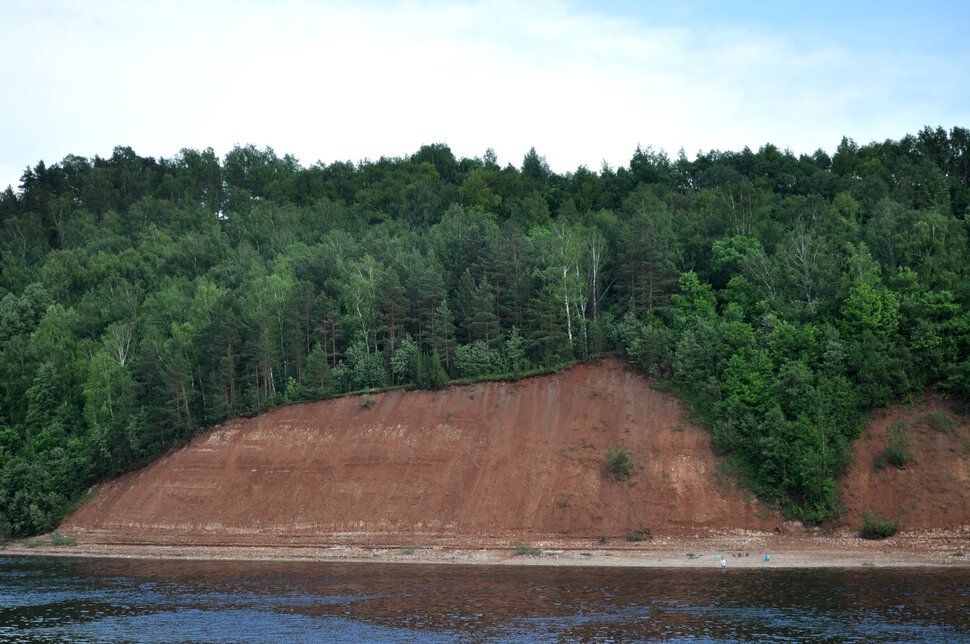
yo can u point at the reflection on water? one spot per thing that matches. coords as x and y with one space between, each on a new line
98 600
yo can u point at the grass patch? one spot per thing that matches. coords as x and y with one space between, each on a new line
897 451
692 555
367 401
526 550
636 536
958 553
58 539
618 463
875 527
937 420
564 500
898 456
408 550
53 539
586 554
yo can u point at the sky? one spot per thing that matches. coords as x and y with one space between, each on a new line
584 83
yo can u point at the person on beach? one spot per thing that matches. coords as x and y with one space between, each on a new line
723 561
767 558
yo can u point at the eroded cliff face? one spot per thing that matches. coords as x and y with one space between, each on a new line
932 488
485 462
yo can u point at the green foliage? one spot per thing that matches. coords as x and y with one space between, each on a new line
875 527
430 373
316 378
515 354
636 536
897 452
54 539
476 359
649 345
897 455
143 299
360 369
938 420
59 539
618 462
404 361
527 550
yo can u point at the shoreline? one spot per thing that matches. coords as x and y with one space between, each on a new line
936 549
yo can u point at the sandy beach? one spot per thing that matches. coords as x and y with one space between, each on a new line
738 549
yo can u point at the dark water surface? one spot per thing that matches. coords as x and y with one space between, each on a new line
116 600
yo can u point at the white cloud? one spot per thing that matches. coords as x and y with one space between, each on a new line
328 81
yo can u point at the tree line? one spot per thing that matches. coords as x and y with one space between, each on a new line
783 296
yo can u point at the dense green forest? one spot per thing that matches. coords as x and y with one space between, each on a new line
784 296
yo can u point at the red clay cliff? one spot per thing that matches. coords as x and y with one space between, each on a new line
488 463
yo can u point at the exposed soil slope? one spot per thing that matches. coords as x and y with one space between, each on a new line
483 464
490 460
931 491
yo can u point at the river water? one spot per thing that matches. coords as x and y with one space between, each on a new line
122 600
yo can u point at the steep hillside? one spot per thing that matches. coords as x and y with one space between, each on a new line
487 463
930 487
492 460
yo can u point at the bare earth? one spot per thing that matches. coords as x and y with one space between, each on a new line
465 474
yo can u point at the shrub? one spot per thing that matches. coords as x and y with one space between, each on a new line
476 359
618 463
527 550
360 369
897 445
367 401
636 536
875 527
897 455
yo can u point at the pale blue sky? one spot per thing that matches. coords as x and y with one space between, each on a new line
582 82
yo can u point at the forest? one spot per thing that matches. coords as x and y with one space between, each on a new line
784 297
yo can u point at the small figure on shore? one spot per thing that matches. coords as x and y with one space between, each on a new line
723 561
767 558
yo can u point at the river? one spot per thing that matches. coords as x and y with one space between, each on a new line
124 600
